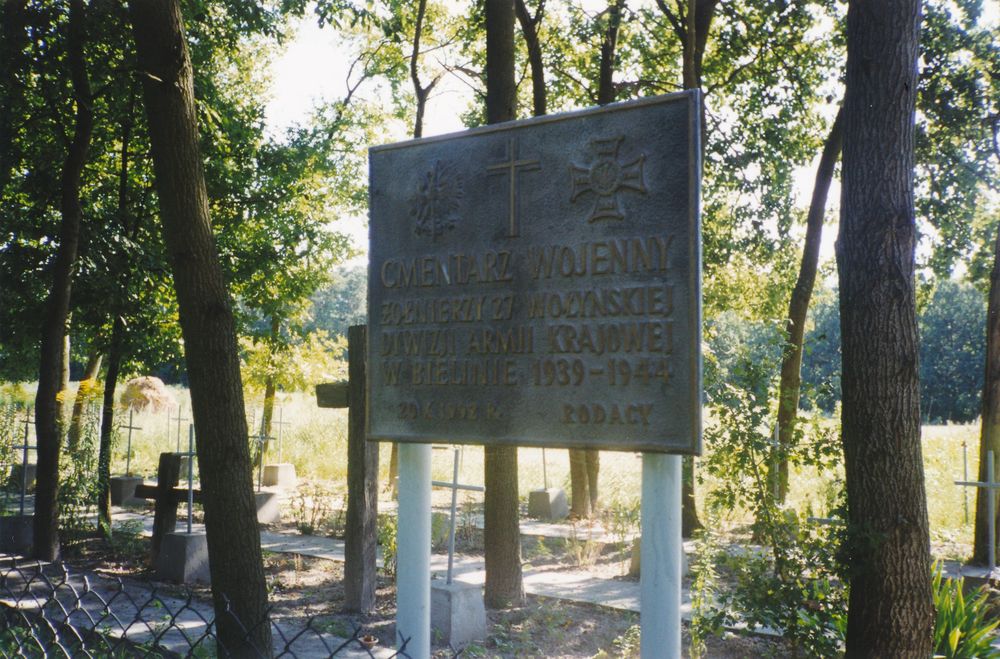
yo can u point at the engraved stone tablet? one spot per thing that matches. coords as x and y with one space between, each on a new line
538 282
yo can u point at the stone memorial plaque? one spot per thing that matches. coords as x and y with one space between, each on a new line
538 282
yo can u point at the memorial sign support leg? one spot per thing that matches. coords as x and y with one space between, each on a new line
413 555
660 582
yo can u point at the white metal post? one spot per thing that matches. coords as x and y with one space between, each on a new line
660 578
413 550
991 510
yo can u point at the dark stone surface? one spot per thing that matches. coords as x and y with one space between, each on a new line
538 282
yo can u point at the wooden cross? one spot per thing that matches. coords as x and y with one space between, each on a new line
510 167
128 453
167 495
991 486
361 535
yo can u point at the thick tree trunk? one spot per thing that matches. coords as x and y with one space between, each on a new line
798 307
529 28
989 437
90 373
890 610
107 426
208 328
692 28
13 41
502 535
47 407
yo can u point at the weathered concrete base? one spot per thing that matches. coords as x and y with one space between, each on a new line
548 504
268 509
280 475
16 534
14 482
183 558
458 615
635 565
123 490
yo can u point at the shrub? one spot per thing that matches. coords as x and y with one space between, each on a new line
961 630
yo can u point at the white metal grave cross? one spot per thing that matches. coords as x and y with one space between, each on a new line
991 486
128 452
281 423
455 486
179 419
25 447
190 457
261 439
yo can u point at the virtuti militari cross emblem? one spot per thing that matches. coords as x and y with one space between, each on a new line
606 177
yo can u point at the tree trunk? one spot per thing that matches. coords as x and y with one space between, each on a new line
529 28
585 464
118 331
208 329
80 400
579 483
890 610
795 326
270 389
107 425
692 30
989 437
502 535
13 41
47 407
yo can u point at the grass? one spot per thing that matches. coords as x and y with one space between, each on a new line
315 441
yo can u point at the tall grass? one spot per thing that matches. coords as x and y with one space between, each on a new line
315 441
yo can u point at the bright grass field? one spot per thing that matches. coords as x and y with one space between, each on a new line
315 441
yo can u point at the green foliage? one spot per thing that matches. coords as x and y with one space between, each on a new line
795 583
796 588
952 353
704 583
963 628
342 302
298 366
77 500
958 102
312 507
387 541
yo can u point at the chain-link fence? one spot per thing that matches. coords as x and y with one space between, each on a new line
48 611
